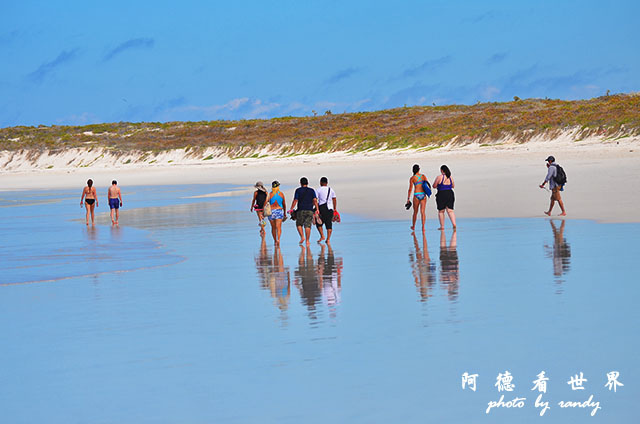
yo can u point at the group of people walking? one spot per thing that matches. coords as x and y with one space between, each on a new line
310 207
90 200
419 185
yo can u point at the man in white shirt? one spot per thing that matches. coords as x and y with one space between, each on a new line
327 205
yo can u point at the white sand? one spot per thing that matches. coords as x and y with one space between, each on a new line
499 181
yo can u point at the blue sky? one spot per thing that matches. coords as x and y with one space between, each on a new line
80 62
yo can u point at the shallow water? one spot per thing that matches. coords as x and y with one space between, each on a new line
182 314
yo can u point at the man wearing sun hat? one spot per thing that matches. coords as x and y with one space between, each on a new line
552 171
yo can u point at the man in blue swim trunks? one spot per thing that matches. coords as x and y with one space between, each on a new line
115 201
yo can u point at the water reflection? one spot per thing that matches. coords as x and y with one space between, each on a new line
92 233
306 279
560 252
274 276
330 273
422 268
319 282
449 264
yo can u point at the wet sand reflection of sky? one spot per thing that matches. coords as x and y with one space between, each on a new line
378 308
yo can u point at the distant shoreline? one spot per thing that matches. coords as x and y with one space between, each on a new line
491 181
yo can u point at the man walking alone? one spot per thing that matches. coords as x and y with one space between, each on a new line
552 172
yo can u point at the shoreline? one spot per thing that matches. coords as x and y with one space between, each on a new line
496 181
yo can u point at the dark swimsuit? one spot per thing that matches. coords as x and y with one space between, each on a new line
445 197
90 201
261 197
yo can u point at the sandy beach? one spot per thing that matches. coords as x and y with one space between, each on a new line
491 181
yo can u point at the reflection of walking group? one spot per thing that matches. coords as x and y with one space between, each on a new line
315 280
309 207
423 269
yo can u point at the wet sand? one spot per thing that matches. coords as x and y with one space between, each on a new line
500 181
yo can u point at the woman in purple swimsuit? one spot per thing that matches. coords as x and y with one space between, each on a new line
90 200
419 196
445 197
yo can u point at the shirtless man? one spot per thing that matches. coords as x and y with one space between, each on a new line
115 201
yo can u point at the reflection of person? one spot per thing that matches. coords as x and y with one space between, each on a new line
553 186
449 264
561 253
422 268
257 204
115 201
419 196
278 206
306 200
306 279
330 275
274 275
445 197
90 200
327 203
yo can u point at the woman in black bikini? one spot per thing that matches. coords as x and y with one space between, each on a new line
90 200
257 204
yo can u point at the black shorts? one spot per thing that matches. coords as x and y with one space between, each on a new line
445 199
327 216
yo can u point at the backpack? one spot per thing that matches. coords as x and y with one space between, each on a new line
561 176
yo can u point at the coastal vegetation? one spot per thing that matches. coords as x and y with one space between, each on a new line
422 127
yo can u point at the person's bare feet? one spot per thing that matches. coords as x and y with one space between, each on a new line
307 243
301 241
563 214
547 213
442 228
320 239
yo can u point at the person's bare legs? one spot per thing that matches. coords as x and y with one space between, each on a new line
261 223
441 219
423 212
416 206
329 234
322 233
113 221
307 232
452 217
561 204
278 230
274 230
92 208
299 228
117 216
87 207
555 196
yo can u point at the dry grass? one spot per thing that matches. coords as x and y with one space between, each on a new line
486 123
